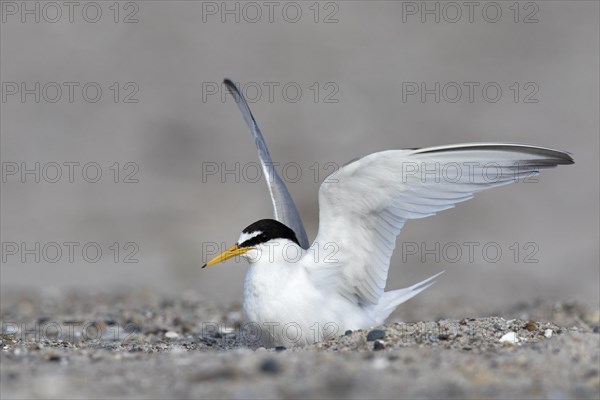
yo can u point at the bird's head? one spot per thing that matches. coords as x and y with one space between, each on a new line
266 240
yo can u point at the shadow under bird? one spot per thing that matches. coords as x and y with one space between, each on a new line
299 293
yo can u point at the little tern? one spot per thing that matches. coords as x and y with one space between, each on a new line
298 293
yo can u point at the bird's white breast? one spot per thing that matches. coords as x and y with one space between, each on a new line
282 302
278 299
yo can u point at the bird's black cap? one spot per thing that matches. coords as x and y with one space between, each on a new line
270 229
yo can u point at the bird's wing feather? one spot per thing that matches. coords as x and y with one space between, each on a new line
364 205
284 208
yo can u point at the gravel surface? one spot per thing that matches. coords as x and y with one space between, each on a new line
143 345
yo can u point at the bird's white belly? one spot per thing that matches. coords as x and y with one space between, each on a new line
282 307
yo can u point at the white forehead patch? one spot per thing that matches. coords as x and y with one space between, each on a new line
247 236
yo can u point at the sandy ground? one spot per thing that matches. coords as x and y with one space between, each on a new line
142 345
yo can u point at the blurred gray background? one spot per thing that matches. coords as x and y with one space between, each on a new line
349 60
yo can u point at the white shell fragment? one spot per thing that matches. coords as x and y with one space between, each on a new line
548 333
171 335
510 337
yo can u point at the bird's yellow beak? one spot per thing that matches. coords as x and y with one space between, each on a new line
227 254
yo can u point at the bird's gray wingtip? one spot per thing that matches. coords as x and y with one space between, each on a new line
552 157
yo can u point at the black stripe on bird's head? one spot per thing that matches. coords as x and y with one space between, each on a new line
264 230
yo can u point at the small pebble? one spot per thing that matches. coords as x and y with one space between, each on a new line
548 333
270 366
171 335
378 345
380 364
531 326
521 360
348 332
375 334
280 348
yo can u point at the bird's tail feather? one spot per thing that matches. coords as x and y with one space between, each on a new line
392 299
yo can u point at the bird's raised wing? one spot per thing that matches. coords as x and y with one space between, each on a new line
364 205
284 208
